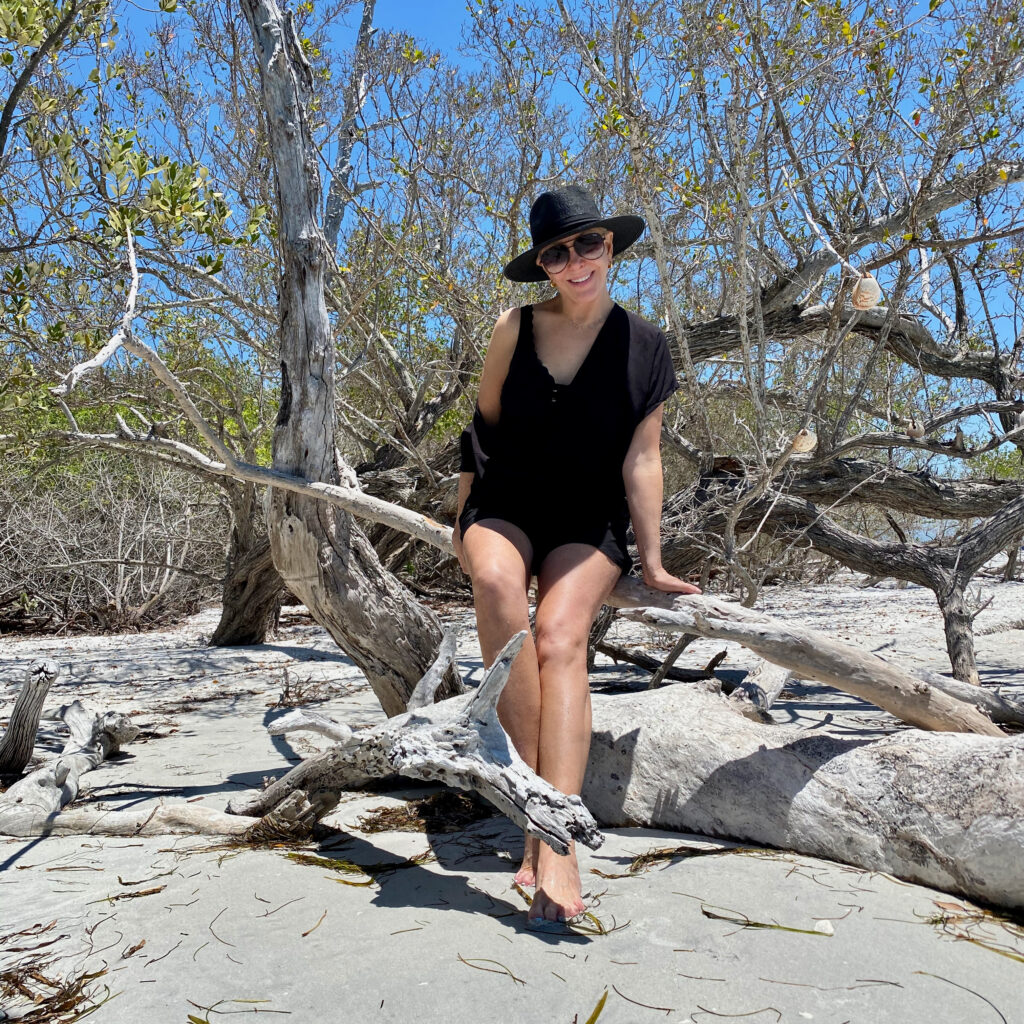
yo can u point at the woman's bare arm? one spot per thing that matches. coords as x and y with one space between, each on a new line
496 364
641 473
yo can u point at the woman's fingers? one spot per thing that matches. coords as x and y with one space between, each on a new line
662 580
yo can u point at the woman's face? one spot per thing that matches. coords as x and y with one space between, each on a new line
585 273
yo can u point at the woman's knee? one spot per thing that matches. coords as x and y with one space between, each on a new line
561 643
499 582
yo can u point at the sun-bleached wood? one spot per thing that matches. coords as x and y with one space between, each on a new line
20 736
755 694
458 742
940 809
31 801
808 653
33 806
322 555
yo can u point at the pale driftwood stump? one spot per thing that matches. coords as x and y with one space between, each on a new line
20 736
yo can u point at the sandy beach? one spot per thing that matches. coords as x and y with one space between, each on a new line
382 923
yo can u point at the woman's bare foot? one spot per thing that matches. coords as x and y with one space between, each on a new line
559 890
527 873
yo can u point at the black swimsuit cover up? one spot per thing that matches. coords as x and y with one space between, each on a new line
552 465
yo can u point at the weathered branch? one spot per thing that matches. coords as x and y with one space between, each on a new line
29 804
355 95
908 339
459 742
809 654
917 211
920 493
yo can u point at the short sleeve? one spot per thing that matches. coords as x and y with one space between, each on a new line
662 379
466 464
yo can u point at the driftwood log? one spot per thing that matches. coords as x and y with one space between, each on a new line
945 810
809 654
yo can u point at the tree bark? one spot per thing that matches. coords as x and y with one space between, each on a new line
944 810
322 556
957 624
20 736
252 587
1012 554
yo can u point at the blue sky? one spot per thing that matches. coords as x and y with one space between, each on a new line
437 22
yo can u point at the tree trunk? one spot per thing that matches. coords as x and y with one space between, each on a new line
252 587
958 625
940 809
252 596
1012 555
323 557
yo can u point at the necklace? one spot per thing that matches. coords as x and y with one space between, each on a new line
586 326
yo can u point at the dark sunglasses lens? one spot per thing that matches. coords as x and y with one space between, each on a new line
555 258
590 245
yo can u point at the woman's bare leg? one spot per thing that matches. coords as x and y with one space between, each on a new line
573 583
499 556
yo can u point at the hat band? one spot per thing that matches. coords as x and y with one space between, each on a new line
567 227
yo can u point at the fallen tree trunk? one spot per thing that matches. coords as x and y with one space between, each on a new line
941 810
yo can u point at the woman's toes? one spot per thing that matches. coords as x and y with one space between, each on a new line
526 876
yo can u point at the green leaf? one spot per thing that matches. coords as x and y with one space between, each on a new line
597 1009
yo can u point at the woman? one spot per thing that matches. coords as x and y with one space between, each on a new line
563 449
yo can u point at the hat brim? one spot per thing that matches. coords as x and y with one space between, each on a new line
625 231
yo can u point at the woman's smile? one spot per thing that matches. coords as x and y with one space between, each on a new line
581 280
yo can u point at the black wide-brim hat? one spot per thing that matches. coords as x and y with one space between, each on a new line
564 212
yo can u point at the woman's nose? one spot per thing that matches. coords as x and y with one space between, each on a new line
575 259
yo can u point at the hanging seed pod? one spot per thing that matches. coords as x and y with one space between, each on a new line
805 441
866 293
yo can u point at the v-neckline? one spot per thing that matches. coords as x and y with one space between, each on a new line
586 358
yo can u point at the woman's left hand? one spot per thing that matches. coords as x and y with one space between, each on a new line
661 579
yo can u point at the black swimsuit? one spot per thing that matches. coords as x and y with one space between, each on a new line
553 463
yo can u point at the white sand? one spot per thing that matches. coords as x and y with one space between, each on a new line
229 926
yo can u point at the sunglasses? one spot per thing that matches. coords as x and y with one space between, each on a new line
588 246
